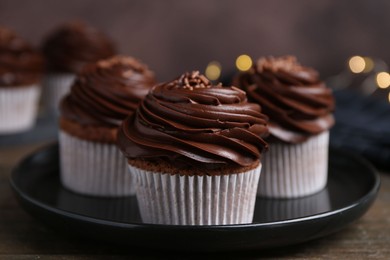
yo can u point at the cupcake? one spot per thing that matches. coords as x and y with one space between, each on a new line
195 150
103 94
21 69
67 49
299 107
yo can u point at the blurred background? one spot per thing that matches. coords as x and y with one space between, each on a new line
346 41
173 36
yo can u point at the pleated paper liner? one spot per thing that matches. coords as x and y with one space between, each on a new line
93 168
55 87
18 108
295 170
196 200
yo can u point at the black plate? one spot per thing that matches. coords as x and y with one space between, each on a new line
352 187
45 128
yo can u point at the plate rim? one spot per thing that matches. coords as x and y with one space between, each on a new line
371 194
340 218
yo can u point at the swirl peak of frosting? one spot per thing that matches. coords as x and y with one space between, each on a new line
287 65
75 44
297 102
191 122
20 64
105 92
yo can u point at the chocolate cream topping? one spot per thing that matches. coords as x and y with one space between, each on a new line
74 44
107 91
298 103
20 64
191 122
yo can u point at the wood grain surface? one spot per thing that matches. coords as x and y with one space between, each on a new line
23 237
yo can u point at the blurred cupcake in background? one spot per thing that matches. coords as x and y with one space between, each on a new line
67 49
21 70
299 107
102 95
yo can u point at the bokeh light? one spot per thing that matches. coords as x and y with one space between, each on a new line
357 64
213 70
383 79
369 66
243 62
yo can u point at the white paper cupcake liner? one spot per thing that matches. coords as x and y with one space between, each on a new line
93 168
295 170
196 200
55 87
18 108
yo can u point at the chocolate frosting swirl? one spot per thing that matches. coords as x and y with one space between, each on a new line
191 122
297 102
74 44
107 91
20 64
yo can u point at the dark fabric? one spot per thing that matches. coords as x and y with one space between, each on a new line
363 126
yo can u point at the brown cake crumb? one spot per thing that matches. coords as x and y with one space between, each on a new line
90 133
169 168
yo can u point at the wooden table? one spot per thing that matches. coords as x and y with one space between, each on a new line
23 237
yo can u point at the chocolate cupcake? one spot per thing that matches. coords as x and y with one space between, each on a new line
103 94
195 149
67 49
21 69
299 106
